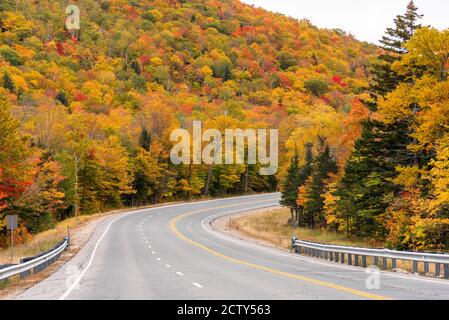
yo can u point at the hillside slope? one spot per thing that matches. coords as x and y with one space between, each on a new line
98 105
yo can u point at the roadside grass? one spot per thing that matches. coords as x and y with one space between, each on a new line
48 239
273 226
45 240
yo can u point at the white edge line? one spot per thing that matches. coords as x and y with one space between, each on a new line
78 279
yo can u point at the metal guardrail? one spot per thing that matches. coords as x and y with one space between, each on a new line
36 264
358 256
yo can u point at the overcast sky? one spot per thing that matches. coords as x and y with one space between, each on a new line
365 19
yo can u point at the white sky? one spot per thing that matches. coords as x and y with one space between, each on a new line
365 19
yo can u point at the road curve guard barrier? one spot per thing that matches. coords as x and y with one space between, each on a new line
420 261
35 264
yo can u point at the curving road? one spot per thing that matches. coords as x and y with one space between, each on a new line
171 253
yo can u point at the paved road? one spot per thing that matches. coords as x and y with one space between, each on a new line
171 253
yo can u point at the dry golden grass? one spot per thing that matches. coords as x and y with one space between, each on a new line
44 241
272 226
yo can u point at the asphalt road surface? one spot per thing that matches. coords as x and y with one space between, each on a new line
172 253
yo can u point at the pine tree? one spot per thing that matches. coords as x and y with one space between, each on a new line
385 79
291 186
324 165
136 67
145 139
8 83
61 96
366 183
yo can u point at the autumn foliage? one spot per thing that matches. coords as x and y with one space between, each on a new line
87 116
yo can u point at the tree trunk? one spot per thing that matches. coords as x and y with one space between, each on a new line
209 177
246 178
300 217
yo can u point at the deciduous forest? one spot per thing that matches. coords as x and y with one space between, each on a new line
86 115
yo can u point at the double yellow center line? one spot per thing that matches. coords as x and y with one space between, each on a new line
337 287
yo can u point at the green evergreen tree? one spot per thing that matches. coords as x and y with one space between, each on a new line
8 83
366 184
291 186
145 139
136 66
61 96
385 79
323 166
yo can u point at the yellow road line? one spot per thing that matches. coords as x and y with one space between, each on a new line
263 268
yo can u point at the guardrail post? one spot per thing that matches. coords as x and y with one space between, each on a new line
426 267
384 264
415 266
338 254
437 269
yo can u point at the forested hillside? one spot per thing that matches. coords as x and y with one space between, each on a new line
85 116
394 186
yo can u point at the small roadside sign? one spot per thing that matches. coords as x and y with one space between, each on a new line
11 222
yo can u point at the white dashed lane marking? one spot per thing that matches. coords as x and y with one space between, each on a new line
159 259
197 285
